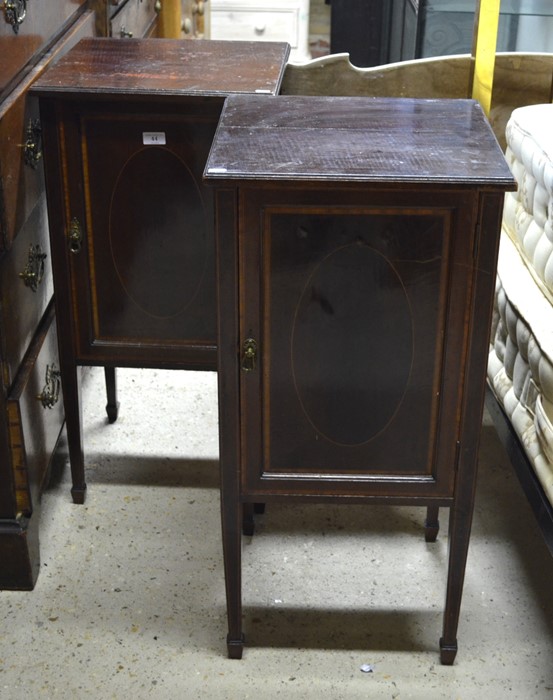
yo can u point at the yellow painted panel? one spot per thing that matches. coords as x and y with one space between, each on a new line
484 48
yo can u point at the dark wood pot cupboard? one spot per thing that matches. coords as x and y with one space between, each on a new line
356 252
131 223
33 37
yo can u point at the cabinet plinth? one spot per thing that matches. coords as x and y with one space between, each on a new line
127 127
356 247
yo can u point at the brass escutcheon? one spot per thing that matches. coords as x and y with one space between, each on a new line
249 356
75 236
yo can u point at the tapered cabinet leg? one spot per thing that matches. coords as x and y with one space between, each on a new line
112 405
70 377
460 520
232 554
228 378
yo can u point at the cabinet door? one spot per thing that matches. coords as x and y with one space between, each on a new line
144 274
356 312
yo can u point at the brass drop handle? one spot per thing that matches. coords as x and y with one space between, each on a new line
75 236
31 148
51 393
249 355
34 269
124 34
198 8
15 12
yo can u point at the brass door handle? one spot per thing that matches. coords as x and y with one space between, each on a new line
249 355
34 269
15 12
51 393
124 34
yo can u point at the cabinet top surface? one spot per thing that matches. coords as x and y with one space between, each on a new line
357 139
154 67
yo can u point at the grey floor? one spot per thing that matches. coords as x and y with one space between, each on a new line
130 599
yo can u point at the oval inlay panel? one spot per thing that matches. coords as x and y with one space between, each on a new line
157 232
352 345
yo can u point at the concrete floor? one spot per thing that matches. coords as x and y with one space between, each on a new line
130 599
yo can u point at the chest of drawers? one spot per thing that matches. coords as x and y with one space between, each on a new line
263 20
27 29
34 36
357 242
31 406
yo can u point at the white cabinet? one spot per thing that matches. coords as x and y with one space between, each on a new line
263 20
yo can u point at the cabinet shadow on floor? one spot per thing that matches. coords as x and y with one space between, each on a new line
351 629
139 470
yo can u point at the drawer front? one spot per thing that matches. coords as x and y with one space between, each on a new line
41 21
35 415
26 287
255 25
135 19
21 171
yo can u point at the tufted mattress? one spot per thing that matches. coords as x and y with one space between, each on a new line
520 364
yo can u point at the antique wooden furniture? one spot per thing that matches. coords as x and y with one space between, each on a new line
356 251
520 80
32 37
127 127
263 20
126 18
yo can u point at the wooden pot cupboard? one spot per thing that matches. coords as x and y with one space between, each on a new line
356 250
33 37
127 127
